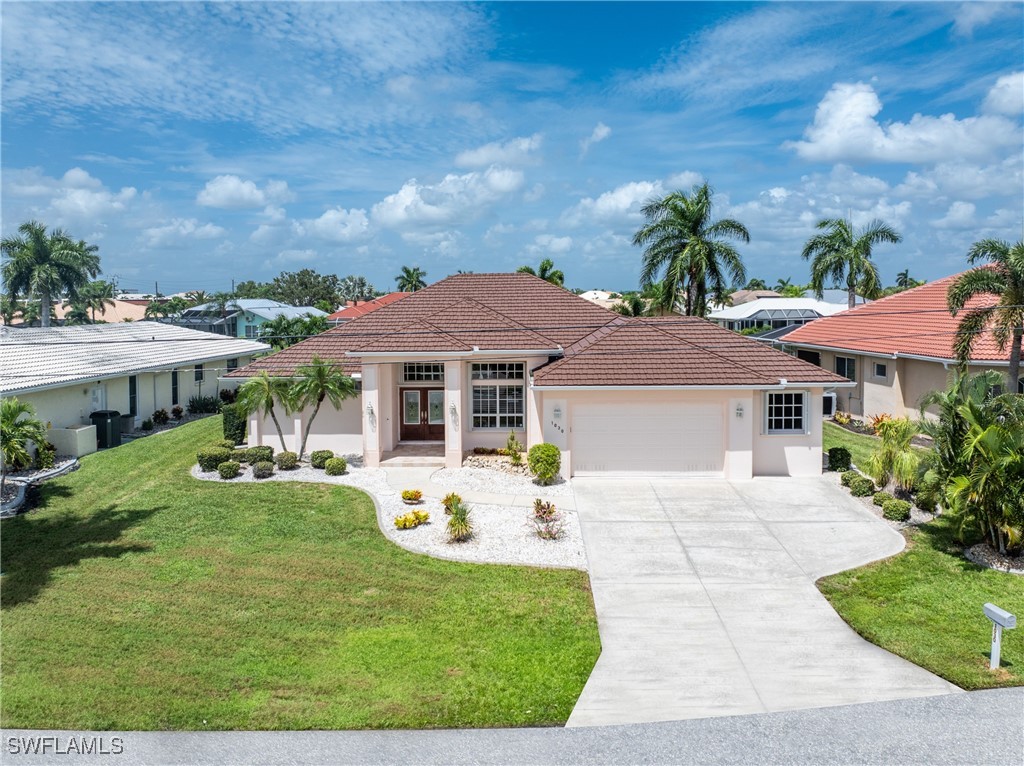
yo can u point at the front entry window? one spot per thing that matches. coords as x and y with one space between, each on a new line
435 408
411 407
498 407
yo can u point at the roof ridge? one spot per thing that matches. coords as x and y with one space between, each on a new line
433 328
505 317
705 348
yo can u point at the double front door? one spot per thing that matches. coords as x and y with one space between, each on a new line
422 414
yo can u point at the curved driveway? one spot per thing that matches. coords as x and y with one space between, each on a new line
707 606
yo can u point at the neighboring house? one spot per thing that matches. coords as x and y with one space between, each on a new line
773 313
465 361
66 373
241 318
745 296
840 297
602 298
896 349
121 311
354 309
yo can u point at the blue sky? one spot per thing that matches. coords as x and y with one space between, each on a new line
199 143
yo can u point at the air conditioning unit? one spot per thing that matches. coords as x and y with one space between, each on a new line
828 404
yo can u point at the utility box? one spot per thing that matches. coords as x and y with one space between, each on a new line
108 428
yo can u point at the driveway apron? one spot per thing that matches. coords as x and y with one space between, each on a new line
706 601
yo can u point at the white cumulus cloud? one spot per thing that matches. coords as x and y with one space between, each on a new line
232 192
959 216
518 151
339 225
1007 95
620 204
456 198
180 229
75 197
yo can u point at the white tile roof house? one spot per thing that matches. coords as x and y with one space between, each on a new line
136 368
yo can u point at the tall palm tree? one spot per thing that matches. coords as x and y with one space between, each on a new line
316 382
197 297
18 426
756 284
843 253
9 308
411 279
78 314
904 281
681 240
782 284
632 305
96 296
282 331
259 394
43 266
155 309
1002 277
546 271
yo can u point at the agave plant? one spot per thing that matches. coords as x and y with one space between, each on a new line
460 527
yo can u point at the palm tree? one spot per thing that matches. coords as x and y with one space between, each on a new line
904 281
18 427
844 254
281 331
155 309
78 314
197 297
1002 277
546 271
632 305
411 279
259 394
781 284
96 296
895 459
44 265
9 308
315 382
756 284
681 241
174 306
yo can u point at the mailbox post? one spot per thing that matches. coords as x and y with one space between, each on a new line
1000 619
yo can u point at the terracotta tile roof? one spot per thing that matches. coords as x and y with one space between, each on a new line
676 351
914 322
522 312
364 307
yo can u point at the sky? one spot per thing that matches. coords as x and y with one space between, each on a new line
200 143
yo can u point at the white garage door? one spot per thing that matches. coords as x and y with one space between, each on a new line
648 439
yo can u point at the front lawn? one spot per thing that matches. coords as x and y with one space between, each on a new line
136 597
860 445
925 605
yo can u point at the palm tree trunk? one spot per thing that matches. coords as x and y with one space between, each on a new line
1014 371
280 433
44 307
309 425
851 297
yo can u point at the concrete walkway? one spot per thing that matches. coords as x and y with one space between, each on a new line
707 606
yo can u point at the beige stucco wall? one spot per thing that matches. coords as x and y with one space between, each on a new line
788 454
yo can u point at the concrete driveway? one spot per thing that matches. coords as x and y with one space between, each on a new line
706 601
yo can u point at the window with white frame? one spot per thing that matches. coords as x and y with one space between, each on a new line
881 370
498 371
423 372
847 367
498 406
785 412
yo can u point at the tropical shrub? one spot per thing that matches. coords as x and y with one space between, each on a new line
263 469
318 458
879 419
839 459
160 417
336 466
896 510
147 425
545 461
880 498
895 460
286 461
177 412
262 454
514 449
460 526
449 500
412 519
234 424
862 486
842 418
229 469
412 495
848 476
46 456
549 529
543 511
212 457
203 405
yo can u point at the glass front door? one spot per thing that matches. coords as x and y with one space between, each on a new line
422 414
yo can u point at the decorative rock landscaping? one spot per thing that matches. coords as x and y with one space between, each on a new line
502 534
498 482
917 516
984 555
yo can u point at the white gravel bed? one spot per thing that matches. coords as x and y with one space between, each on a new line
61 462
917 516
498 482
986 556
502 534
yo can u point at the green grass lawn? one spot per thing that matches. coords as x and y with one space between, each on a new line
136 597
860 445
925 605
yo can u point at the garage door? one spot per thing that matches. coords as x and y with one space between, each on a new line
648 439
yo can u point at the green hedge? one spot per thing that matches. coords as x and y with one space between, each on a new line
286 461
545 460
229 470
896 510
210 458
336 466
263 469
862 486
318 458
839 459
234 424
259 455
880 498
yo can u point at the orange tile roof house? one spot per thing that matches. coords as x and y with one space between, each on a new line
355 309
896 349
461 363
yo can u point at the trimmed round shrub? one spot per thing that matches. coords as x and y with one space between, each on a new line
848 476
259 455
240 455
336 466
229 470
896 510
545 460
839 459
862 486
233 424
286 461
318 458
880 498
226 444
210 458
263 469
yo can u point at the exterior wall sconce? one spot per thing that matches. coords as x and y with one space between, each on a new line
371 416
454 413
557 412
739 410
